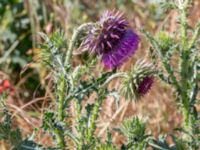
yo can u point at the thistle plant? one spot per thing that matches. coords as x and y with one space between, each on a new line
109 39
138 81
111 42
135 131
184 78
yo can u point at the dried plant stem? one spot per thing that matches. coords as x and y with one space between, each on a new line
113 117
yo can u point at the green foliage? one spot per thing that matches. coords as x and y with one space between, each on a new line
184 78
165 42
178 144
16 41
14 26
168 5
70 87
134 130
14 137
106 147
50 51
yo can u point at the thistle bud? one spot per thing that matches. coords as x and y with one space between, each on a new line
138 81
165 41
134 129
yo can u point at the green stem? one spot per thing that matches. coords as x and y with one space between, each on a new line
116 75
183 9
62 83
61 97
73 41
92 85
170 71
165 62
79 127
94 116
60 138
184 67
195 36
91 123
78 108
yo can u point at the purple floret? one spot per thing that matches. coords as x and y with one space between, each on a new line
112 40
122 50
113 26
145 85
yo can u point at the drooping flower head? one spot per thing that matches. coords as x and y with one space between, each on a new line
138 81
112 39
145 85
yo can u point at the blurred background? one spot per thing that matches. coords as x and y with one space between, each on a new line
30 87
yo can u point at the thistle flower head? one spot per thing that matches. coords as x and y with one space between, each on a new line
112 39
145 85
112 27
138 81
122 51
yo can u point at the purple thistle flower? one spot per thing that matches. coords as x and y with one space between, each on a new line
145 85
124 49
138 81
112 39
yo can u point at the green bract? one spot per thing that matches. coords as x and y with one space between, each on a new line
133 79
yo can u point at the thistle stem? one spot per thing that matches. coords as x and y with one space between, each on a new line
62 83
195 36
61 98
94 116
116 75
73 41
60 138
78 107
184 67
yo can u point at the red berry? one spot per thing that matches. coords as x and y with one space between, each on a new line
6 84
